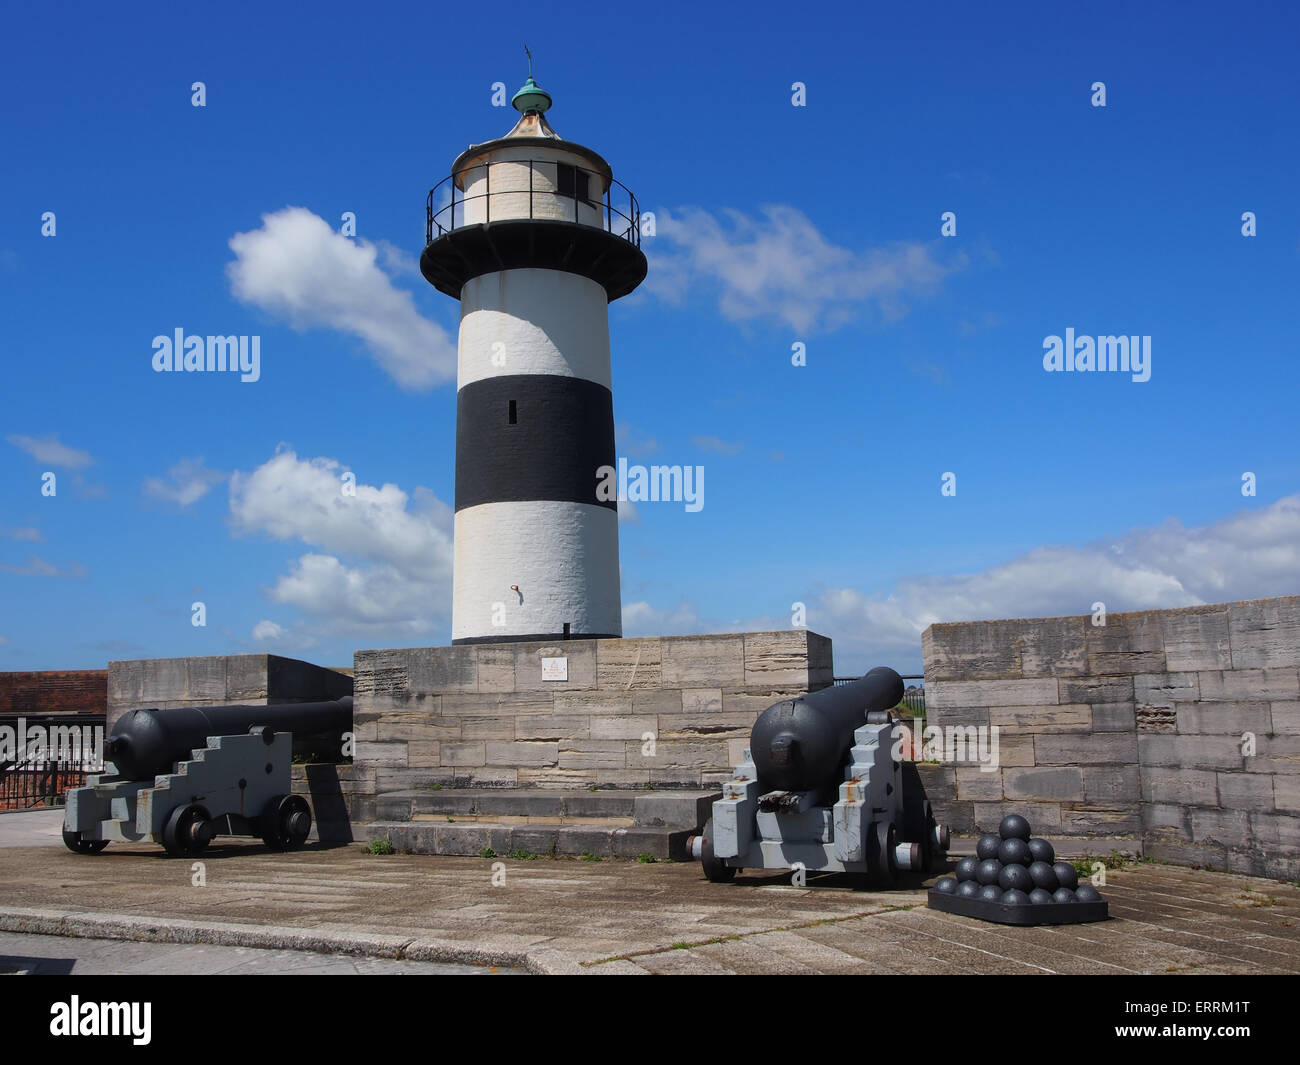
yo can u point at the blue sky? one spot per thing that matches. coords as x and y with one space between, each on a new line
777 224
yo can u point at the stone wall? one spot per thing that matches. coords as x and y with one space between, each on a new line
217 680
62 691
480 715
1141 728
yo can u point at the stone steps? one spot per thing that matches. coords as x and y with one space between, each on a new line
525 819
542 821
649 809
469 838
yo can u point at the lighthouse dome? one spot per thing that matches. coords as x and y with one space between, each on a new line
531 172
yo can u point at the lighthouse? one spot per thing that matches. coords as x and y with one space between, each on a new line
535 238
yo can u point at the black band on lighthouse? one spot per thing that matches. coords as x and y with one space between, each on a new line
562 435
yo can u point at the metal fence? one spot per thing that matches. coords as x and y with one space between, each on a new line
45 755
38 782
618 212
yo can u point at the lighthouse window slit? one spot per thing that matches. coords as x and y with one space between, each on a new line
514 413
573 182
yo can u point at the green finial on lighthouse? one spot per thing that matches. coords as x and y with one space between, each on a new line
531 97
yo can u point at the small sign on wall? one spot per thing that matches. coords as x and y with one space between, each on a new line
555 669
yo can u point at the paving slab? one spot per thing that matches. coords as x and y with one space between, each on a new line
32 828
615 916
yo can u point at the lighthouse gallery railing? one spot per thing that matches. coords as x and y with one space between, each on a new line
615 220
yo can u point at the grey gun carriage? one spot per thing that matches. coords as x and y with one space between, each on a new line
822 787
180 777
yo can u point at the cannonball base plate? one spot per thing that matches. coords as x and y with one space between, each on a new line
1033 913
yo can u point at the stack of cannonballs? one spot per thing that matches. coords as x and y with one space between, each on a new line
1015 870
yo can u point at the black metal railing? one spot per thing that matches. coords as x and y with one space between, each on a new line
913 696
38 782
571 183
52 753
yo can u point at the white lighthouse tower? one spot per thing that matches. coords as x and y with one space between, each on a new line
535 239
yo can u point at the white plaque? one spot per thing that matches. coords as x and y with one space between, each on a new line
555 669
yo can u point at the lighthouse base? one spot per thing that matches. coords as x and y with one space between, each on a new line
658 712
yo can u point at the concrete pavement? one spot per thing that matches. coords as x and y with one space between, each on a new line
31 828
36 955
568 915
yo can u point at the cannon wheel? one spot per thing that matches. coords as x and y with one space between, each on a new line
715 869
286 822
187 832
73 841
882 862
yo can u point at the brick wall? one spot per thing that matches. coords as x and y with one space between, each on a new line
1139 728
72 691
480 715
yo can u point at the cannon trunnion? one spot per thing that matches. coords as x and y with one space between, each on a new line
182 777
822 789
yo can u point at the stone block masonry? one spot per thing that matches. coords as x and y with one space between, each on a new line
219 680
1180 728
483 715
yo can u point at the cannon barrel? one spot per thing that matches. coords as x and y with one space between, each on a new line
800 744
146 743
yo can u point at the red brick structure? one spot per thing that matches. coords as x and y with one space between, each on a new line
55 691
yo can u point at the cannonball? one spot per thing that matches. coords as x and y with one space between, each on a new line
1087 893
968 889
966 869
1040 896
1015 878
1044 876
946 885
1014 826
990 893
1014 852
1064 895
1067 875
1014 898
1042 850
988 846
988 871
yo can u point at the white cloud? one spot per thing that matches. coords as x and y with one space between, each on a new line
627 514
297 268
402 542
23 532
1250 554
50 451
267 631
780 266
712 443
186 482
631 442
642 619
326 588
38 567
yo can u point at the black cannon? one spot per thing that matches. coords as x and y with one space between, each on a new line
180 777
824 788
145 743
